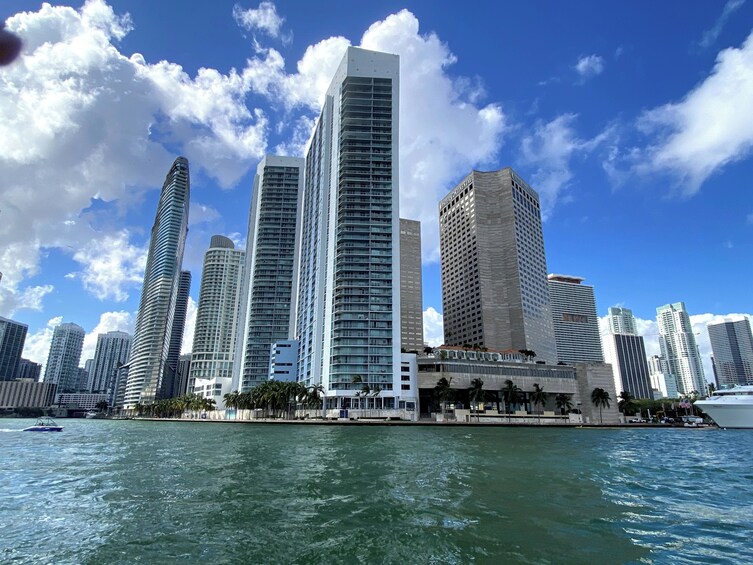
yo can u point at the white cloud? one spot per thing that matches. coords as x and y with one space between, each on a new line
264 18
202 214
589 66
189 327
549 148
110 265
81 121
108 322
710 36
433 327
28 298
709 128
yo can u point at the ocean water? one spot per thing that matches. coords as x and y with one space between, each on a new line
159 492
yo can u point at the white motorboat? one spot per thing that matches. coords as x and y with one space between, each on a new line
731 407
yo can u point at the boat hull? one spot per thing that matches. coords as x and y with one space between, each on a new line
44 429
729 415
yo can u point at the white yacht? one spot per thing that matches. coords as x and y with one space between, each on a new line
730 408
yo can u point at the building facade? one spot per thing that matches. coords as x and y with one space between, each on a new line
349 292
28 369
283 361
267 305
678 348
170 384
26 393
494 276
732 344
110 354
621 321
411 288
12 339
217 314
159 295
627 356
575 321
64 357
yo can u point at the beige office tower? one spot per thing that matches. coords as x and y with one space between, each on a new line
411 290
494 276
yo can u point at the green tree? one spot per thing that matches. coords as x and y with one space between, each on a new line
101 405
563 403
476 394
626 404
443 392
538 397
600 398
512 395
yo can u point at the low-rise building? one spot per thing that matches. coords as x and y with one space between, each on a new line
26 393
81 400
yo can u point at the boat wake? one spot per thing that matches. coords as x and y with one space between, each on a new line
8 430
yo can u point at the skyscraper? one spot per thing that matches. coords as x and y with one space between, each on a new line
28 369
267 302
170 379
621 321
576 324
159 295
678 348
217 313
732 344
110 354
349 293
411 291
494 277
12 339
64 357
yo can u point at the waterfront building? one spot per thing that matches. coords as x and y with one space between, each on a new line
83 377
26 393
732 344
494 276
12 339
185 383
110 354
28 369
217 316
170 381
80 400
283 360
576 324
159 295
411 289
64 357
621 321
270 273
678 348
349 293
663 385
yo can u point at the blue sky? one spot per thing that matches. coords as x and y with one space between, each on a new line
633 120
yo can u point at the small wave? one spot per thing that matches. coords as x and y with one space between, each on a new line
10 430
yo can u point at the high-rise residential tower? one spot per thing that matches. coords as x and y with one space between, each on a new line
411 291
494 277
621 321
217 312
267 304
732 344
64 357
678 348
110 354
170 380
349 293
12 339
159 295
576 324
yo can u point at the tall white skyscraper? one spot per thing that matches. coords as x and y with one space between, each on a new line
621 321
626 352
348 318
267 304
64 357
217 315
732 344
575 321
678 348
110 354
494 276
159 296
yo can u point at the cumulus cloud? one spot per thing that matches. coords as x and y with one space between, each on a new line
264 18
589 66
711 35
712 126
81 122
433 327
549 149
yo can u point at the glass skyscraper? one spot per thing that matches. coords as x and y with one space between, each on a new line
12 339
64 357
732 345
348 317
159 295
110 354
270 273
679 351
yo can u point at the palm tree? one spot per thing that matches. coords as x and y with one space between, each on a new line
476 393
511 394
313 396
443 392
600 398
376 392
563 403
538 397
231 399
428 350
626 404
101 405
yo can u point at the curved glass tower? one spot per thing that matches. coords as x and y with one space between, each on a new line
159 295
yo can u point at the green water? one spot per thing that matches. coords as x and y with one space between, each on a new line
152 492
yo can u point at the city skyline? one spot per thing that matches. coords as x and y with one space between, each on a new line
90 271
